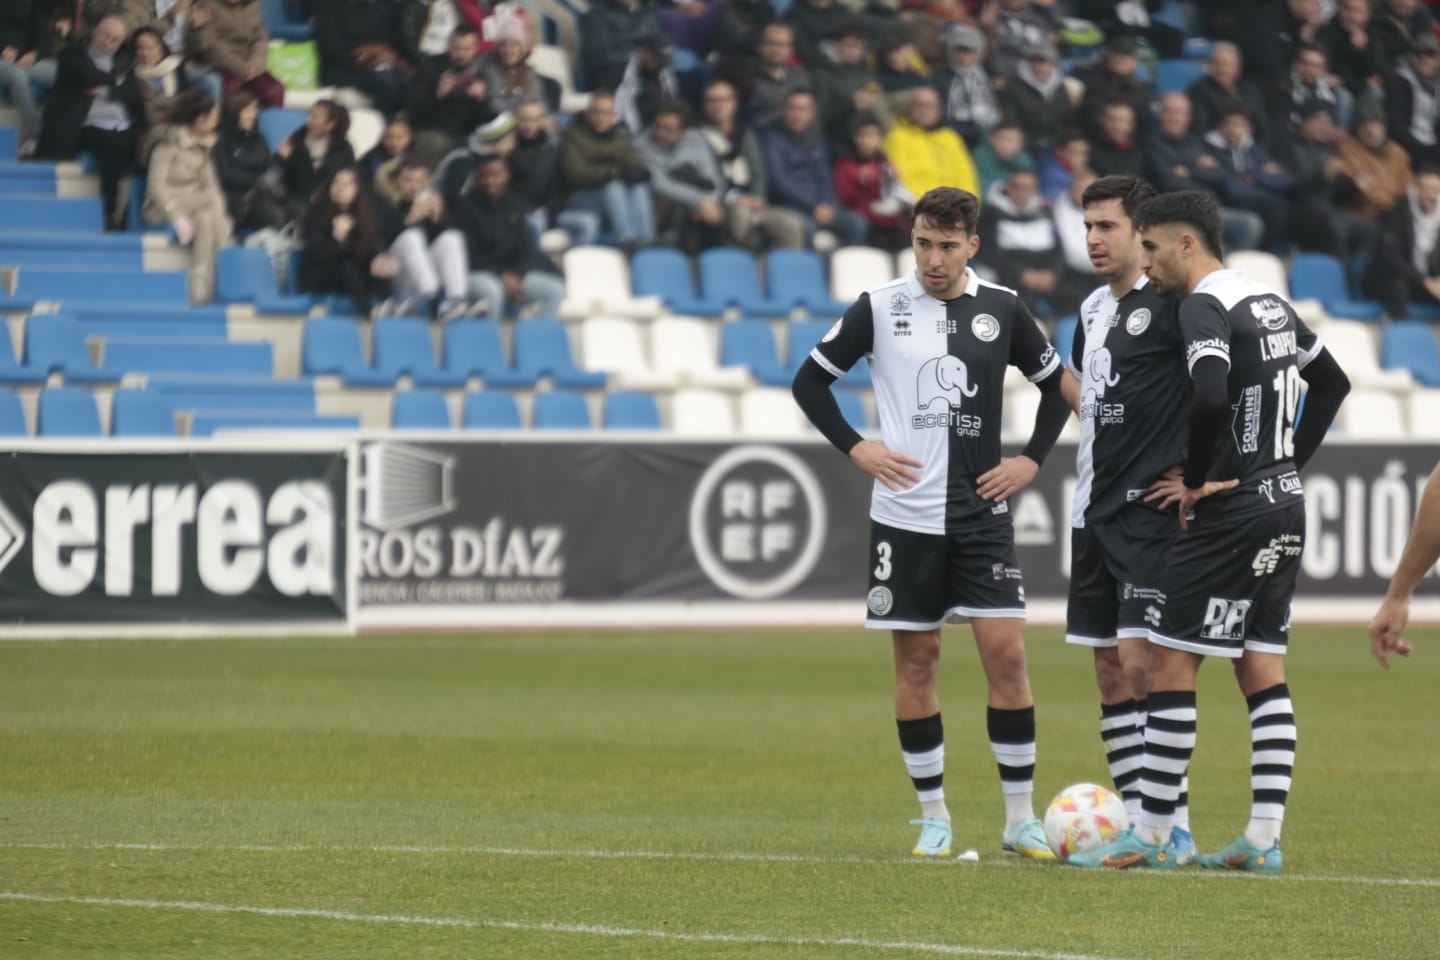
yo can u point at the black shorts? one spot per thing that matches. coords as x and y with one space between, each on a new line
1228 587
918 581
1115 571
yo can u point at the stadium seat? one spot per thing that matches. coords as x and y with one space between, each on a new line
686 347
246 275
57 258
665 273
1372 415
208 424
189 357
142 413
597 281
331 345
905 262
561 410
1263 268
403 347
67 412
69 215
12 415
853 270
770 412
803 335
729 276
491 410
1175 76
630 410
542 349
419 410
12 371
279 24
1353 345
751 344
1063 337
367 126
1424 410
250 394
1410 345
702 413
1319 276
616 346
797 278
473 348
122 286
57 345
277 123
552 62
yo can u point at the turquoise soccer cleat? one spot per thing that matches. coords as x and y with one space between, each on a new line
934 837
1126 852
1027 838
1244 855
1184 844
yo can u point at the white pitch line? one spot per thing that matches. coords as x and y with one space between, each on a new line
581 929
1420 882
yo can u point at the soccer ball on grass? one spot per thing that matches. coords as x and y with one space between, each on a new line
1082 817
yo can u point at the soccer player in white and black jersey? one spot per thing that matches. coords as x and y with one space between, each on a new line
1132 399
942 541
1230 578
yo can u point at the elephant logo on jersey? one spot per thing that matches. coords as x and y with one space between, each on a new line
1098 378
945 378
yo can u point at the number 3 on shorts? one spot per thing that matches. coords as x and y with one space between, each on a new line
882 553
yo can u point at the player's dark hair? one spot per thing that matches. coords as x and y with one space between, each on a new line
1188 208
949 209
1130 191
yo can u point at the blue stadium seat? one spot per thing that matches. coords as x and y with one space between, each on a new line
68 242
67 412
797 279
277 123
245 275
473 348
11 371
542 348
206 424
491 410
1411 345
1172 76
1319 276
403 347
142 413
190 357
121 286
50 258
751 344
631 410
331 345
1063 340
729 277
9 142
853 409
12 415
181 314
561 410
802 337
58 345
419 410
284 395
665 273
69 215
279 24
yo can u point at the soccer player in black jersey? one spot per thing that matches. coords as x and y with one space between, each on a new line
1133 393
942 541
1231 575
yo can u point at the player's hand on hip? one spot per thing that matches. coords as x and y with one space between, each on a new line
1193 495
1388 629
1167 489
885 465
1012 475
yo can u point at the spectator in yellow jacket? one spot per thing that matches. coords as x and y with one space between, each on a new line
925 152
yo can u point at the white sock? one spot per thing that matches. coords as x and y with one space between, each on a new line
1018 808
935 809
1263 834
1152 834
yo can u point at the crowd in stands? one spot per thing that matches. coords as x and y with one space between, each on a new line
1316 122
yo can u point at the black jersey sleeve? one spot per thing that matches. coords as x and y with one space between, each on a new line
1328 386
1076 360
1029 350
1205 328
811 389
852 337
1208 405
1307 344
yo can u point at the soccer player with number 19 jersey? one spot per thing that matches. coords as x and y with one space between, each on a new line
1231 575
942 541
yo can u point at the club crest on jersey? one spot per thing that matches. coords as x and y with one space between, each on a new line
985 327
900 304
1138 322
880 601
1269 313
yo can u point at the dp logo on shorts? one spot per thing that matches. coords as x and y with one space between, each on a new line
757 522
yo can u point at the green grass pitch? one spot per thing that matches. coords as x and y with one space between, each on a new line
657 795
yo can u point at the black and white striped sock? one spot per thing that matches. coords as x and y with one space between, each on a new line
1272 762
1124 740
1169 742
922 742
1012 739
